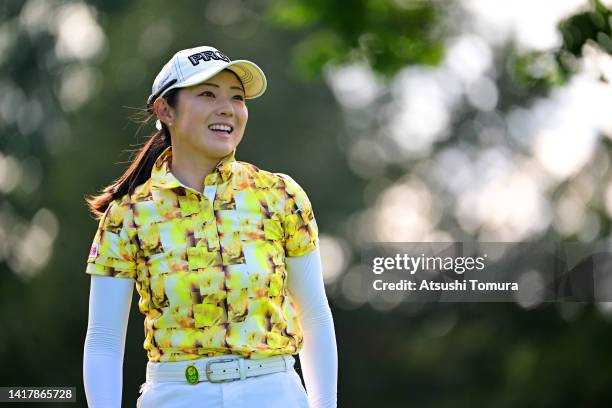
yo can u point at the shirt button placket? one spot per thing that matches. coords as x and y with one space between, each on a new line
210 223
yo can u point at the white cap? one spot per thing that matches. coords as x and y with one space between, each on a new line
195 65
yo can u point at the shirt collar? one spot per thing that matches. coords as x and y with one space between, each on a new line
162 177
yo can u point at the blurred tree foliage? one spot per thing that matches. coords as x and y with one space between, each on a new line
594 24
545 69
388 35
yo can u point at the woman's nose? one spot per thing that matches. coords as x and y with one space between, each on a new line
226 108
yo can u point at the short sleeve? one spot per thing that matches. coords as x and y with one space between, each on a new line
113 251
300 227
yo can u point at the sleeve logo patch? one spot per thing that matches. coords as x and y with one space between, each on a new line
93 252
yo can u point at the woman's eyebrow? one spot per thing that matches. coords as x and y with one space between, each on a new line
217 86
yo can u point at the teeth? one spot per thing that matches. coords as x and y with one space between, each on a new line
224 128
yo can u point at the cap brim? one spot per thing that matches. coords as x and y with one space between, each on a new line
252 78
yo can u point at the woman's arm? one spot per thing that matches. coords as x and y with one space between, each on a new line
318 357
109 310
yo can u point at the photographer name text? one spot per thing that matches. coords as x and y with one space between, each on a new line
457 285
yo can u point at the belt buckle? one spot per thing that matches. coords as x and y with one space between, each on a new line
208 371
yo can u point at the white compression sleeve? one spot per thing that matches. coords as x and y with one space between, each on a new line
318 357
109 310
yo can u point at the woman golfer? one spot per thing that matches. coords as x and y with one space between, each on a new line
224 256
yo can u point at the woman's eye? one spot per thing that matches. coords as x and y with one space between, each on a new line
208 93
239 97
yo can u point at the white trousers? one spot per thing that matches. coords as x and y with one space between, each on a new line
283 389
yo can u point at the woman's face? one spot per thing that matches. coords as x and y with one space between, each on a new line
210 117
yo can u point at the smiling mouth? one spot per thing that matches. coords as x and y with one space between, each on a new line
227 129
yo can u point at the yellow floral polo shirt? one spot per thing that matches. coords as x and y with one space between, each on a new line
209 266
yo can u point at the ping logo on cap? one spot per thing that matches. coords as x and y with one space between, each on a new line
207 56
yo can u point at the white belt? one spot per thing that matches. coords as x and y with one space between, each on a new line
217 369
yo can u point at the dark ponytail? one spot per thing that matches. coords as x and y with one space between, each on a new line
140 168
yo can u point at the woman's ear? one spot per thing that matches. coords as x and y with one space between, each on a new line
163 111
